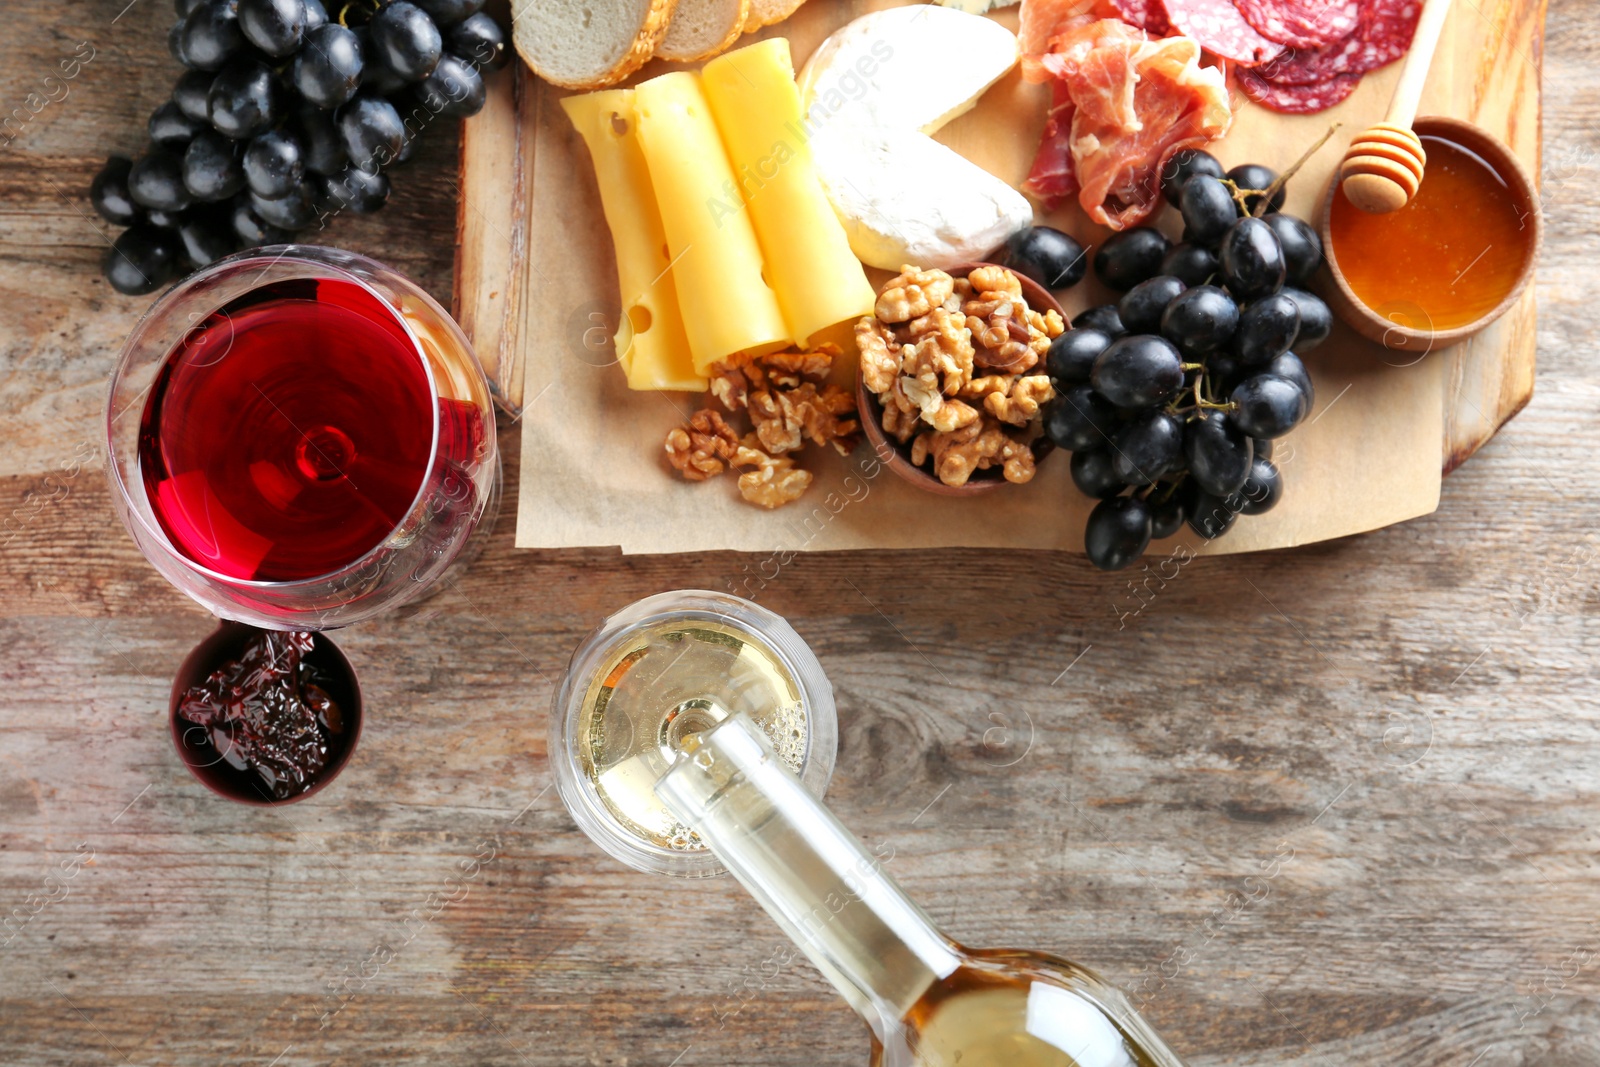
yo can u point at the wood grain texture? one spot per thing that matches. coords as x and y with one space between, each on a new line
1405 722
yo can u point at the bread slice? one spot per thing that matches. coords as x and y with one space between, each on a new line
700 29
768 12
589 44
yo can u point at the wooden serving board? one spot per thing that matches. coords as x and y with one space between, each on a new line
535 285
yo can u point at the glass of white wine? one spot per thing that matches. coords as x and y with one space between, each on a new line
724 782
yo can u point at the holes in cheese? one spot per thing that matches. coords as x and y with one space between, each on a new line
716 259
809 265
652 345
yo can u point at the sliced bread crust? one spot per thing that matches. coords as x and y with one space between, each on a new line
700 29
769 12
589 44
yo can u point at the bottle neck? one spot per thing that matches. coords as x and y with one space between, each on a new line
810 873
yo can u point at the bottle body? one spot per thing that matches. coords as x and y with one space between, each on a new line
927 1001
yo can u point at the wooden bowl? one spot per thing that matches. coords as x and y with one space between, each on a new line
897 457
1394 332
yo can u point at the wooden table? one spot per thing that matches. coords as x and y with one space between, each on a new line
1328 806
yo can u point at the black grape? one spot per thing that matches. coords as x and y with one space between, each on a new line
325 152
1118 532
1252 261
1166 514
109 193
1183 165
1053 259
327 71
1266 329
211 168
141 260
1200 321
1147 447
156 181
274 162
1267 406
455 88
1316 320
1138 371
1125 259
1093 475
479 40
210 35
1079 419
244 100
1103 318
406 40
358 190
1208 210
1141 307
371 130
252 229
1262 489
1290 366
293 212
1255 176
190 94
170 128
1210 516
1219 454
277 27
1072 355
1302 248
207 236
1191 263
449 12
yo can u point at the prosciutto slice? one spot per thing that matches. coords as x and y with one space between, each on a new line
1121 104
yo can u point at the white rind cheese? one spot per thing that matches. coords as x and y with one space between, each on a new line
871 94
905 198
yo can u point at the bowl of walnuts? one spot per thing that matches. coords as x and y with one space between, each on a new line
952 376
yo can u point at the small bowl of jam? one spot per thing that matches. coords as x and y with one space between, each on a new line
1450 262
265 716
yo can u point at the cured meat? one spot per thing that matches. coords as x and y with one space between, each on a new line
1222 30
1053 177
1302 23
1148 15
1382 36
1040 22
1124 103
1296 99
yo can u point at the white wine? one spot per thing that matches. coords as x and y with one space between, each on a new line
663 684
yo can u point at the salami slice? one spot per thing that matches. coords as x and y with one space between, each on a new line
1148 15
1221 29
1383 36
1296 99
1302 23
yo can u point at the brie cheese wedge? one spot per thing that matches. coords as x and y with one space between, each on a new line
904 198
871 94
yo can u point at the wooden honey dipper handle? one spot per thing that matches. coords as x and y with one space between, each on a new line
1383 167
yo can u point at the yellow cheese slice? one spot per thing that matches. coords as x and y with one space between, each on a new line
754 99
650 340
716 261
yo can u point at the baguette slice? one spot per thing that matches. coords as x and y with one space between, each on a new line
768 12
700 29
589 44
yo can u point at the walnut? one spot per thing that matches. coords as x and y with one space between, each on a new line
913 293
731 382
785 418
899 423
942 354
1021 404
996 280
770 481
1017 461
1050 323
1002 341
699 448
789 369
984 386
960 453
880 355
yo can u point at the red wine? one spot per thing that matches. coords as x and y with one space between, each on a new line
289 433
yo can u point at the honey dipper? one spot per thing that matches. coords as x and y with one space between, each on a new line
1383 166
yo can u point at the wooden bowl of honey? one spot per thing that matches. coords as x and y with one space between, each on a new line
1450 262
897 457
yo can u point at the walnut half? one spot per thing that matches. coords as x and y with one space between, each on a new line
699 448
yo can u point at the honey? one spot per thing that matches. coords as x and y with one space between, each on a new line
1447 258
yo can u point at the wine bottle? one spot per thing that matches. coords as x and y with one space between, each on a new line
927 1001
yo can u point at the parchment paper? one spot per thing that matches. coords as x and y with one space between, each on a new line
593 469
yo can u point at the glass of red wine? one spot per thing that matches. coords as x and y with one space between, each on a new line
300 438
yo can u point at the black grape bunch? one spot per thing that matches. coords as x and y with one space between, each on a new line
1170 399
285 116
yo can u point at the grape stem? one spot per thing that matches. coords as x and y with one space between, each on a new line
1283 179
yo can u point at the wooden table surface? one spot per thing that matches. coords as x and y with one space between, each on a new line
1334 805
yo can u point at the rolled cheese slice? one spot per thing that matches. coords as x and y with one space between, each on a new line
714 256
652 346
817 279
905 198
